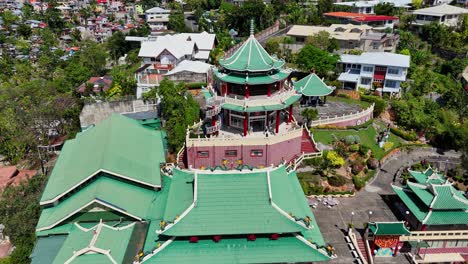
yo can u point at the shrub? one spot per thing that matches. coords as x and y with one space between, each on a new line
337 181
334 159
357 168
410 136
354 148
196 85
388 146
465 182
313 162
352 139
358 182
372 163
379 106
363 149
344 95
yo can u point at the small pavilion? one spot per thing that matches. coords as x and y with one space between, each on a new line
312 87
384 237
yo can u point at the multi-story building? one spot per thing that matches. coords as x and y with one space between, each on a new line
162 54
367 7
349 37
381 70
443 14
377 22
249 116
157 18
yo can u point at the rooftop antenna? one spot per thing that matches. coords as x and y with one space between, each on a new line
251 27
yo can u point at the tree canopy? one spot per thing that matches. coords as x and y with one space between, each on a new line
311 57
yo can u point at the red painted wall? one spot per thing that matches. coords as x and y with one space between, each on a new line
272 154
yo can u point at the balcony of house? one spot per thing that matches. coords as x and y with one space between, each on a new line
350 78
391 86
148 78
426 19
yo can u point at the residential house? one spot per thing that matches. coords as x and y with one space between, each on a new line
367 7
157 18
384 70
443 14
377 22
188 71
97 84
349 37
162 54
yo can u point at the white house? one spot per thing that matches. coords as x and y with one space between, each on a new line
367 7
157 18
162 54
386 70
443 14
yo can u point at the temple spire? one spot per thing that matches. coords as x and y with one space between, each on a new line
252 27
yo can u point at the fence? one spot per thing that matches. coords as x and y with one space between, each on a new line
343 118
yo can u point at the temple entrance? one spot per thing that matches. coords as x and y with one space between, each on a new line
257 123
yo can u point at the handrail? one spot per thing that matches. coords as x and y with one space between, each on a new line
431 235
344 117
278 98
180 153
213 129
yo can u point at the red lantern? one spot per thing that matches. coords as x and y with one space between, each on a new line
193 239
274 237
216 239
251 237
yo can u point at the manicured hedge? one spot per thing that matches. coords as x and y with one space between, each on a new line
410 136
379 106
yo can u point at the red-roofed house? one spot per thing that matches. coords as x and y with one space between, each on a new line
11 175
99 84
377 22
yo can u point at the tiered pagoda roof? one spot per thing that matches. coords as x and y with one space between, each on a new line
108 218
428 176
312 85
434 204
251 64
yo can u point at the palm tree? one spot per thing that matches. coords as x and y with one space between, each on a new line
309 114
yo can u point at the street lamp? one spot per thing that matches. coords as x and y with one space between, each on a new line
407 218
352 215
370 215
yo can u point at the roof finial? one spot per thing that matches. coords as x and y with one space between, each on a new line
251 27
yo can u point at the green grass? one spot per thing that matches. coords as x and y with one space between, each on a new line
363 104
368 138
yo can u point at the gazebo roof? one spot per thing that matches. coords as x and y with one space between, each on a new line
312 85
388 228
251 57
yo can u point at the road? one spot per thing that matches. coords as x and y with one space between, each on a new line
333 222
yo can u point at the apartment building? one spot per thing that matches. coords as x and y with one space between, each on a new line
385 71
157 18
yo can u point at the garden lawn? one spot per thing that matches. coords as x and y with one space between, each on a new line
368 138
363 104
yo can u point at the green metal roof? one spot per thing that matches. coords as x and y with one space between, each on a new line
312 85
180 195
232 203
46 249
422 192
107 239
118 145
266 78
291 100
251 56
416 206
109 192
239 250
428 176
388 228
443 217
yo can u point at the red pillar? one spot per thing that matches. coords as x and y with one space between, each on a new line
396 248
213 120
246 123
247 92
227 88
224 89
290 114
423 228
269 89
277 121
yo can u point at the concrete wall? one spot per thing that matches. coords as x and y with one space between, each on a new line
272 154
97 112
353 122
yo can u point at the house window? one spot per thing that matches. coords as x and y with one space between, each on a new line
375 45
380 68
366 81
203 154
256 153
367 68
153 59
390 84
393 71
230 153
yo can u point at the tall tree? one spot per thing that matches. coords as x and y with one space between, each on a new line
310 57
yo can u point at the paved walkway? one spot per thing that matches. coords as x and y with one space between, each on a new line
333 222
331 109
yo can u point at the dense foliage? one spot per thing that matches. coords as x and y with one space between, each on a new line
311 57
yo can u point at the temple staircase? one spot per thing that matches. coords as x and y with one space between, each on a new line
362 248
307 144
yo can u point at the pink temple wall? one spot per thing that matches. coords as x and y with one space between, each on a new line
272 154
353 122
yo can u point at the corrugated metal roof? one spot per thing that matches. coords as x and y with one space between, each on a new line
378 58
440 10
47 248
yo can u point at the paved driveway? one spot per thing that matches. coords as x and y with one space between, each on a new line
333 222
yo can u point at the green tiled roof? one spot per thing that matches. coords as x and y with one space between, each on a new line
422 192
442 217
107 239
251 56
266 78
427 176
446 199
46 249
312 85
109 191
388 228
416 206
118 145
240 250
291 100
232 203
180 195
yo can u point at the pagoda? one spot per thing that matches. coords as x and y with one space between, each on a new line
249 114
432 202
